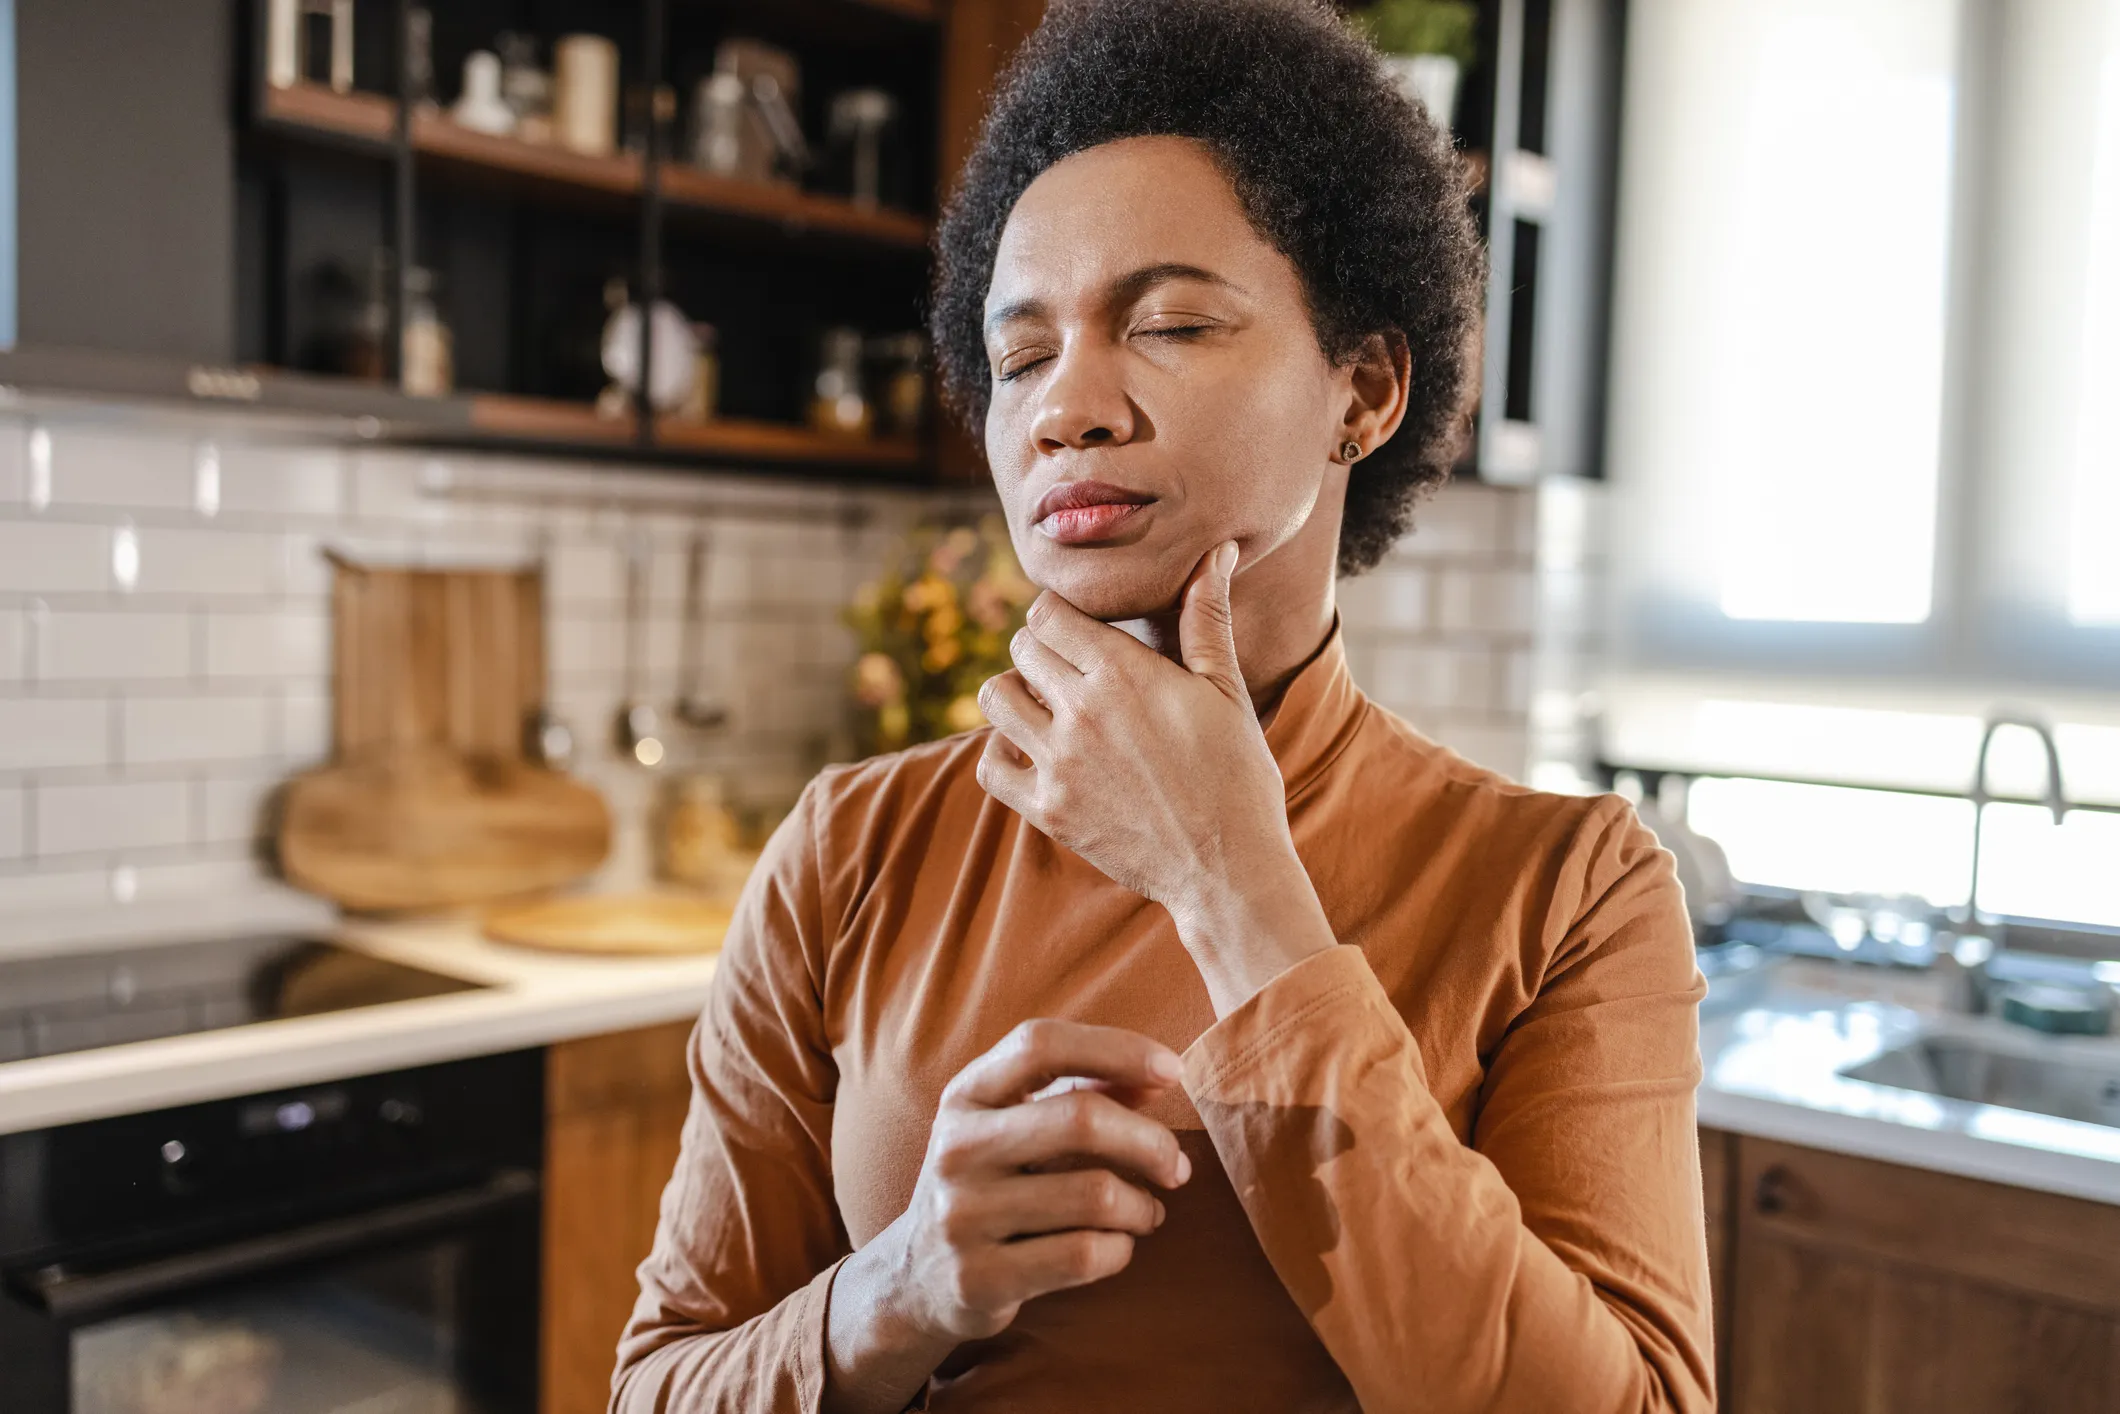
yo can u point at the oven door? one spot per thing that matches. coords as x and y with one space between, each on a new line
427 1306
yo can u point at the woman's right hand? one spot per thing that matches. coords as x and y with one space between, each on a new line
1022 1193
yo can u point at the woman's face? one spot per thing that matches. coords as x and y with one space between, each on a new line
1152 353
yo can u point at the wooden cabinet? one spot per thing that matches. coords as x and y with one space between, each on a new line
1843 1284
614 1111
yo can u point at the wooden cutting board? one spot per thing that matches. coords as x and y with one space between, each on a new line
614 924
401 828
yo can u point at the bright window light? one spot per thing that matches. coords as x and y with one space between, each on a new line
1837 839
2032 868
2094 579
1827 369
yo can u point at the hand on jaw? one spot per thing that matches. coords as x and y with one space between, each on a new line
1158 774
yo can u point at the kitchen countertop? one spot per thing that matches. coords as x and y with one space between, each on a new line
532 999
1771 1057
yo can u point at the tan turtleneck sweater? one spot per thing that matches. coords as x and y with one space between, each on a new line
1449 1166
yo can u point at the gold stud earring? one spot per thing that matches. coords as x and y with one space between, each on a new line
1350 451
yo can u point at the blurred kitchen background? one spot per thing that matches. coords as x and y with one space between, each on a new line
464 465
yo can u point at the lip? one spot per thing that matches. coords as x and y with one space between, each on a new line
1075 512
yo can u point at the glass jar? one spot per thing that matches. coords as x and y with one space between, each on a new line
837 403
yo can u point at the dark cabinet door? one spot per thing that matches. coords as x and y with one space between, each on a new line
1866 1288
125 170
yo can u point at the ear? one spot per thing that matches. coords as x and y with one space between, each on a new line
1379 376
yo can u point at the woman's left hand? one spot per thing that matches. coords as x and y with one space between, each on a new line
1159 775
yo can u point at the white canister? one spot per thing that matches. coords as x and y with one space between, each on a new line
585 94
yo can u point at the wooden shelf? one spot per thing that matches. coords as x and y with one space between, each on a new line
545 420
367 118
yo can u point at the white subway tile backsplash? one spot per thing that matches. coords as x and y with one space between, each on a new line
15 640
1459 520
14 470
109 816
14 821
587 646
99 467
75 646
583 575
209 562
170 730
1484 601
232 809
143 735
41 733
305 725
43 557
283 643
281 479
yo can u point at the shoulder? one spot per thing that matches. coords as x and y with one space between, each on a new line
1424 785
1561 858
858 799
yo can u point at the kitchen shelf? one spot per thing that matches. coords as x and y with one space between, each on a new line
547 420
365 119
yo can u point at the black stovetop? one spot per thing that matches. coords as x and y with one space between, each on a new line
80 1001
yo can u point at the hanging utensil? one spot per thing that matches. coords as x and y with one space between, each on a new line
547 739
694 709
637 729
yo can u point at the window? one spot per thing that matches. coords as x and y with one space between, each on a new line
1865 434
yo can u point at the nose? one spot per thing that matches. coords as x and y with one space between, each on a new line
1085 404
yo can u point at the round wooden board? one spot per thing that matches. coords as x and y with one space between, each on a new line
614 925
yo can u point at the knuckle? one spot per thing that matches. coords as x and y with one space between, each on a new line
1080 1121
1032 1038
1107 1196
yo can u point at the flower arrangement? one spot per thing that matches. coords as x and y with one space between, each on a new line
932 629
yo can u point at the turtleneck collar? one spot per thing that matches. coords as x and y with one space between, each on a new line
1317 716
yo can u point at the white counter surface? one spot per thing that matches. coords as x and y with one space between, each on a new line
1772 1069
533 999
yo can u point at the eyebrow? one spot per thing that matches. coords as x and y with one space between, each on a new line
1124 290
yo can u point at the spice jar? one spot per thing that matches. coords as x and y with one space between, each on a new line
901 382
428 369
837 404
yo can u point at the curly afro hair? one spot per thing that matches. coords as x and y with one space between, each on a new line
1338 170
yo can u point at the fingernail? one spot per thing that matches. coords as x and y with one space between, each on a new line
1184 1167
1159 1215
1166 1068
1228 554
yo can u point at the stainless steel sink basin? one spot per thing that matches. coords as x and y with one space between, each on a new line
1963 1068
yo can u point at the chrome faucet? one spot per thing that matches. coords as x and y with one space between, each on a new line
2056 800
1965 964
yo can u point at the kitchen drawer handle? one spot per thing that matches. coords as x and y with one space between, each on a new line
1774 1194
70 1296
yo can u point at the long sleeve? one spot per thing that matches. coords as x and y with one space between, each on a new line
733 1295
1559 1261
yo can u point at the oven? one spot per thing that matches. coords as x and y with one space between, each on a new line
366 1246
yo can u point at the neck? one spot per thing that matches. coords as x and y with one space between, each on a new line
1283 607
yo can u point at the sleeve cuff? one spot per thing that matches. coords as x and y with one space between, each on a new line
1258 1031
811 1360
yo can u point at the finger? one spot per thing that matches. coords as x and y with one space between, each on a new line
1049 675
1031 1204
1206 630
1006 774
1008 704
1077 1130
1060 1260
1085 643
1039 1052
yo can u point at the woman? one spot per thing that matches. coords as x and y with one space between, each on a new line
1199 1037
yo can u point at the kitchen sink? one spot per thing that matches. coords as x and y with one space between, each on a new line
1965 1068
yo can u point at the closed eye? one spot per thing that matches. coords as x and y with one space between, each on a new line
1019 370
1178 331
